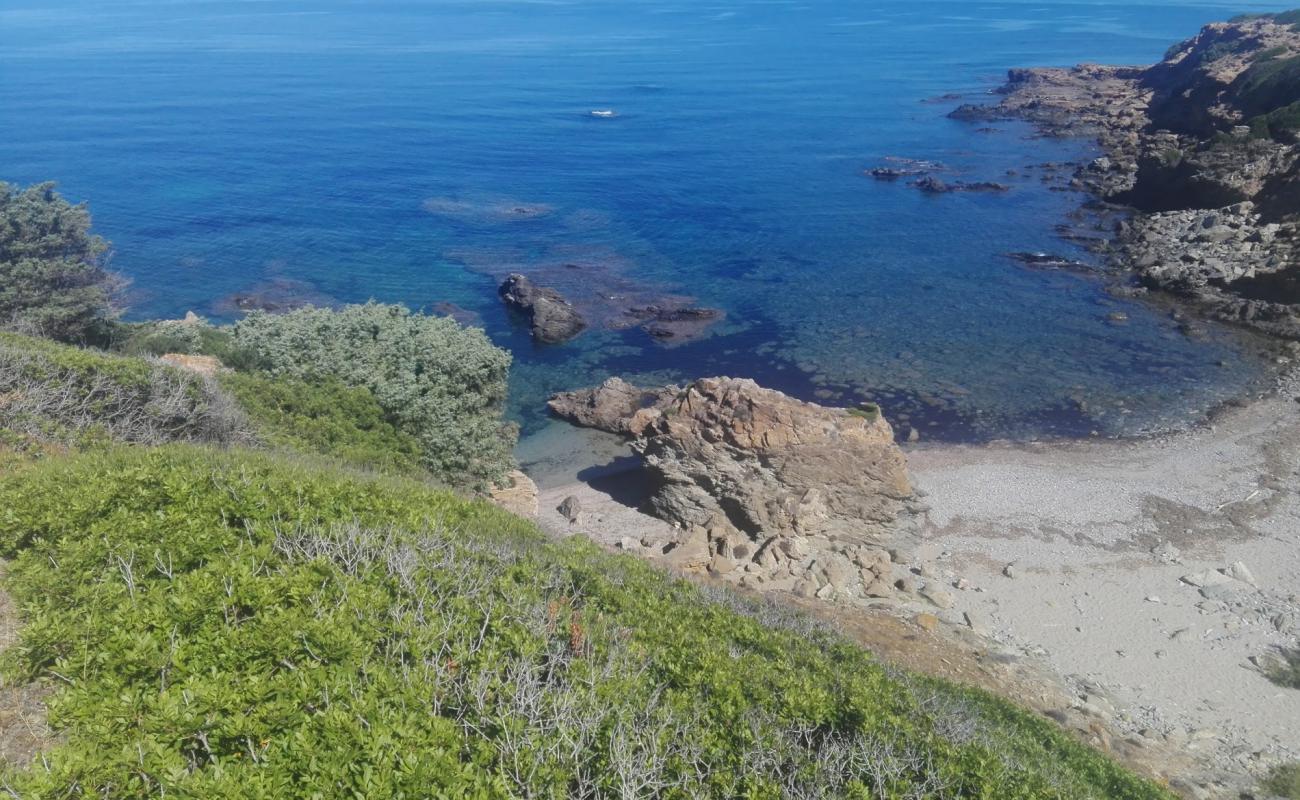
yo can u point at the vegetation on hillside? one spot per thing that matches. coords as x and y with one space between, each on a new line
52 275
60 394
325 418
1284 781
441 383
228 625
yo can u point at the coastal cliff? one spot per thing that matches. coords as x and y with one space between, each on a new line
1201 158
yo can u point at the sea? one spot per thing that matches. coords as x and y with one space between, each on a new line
417 151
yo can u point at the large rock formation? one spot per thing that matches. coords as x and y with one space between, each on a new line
552 319
767 490
1204 148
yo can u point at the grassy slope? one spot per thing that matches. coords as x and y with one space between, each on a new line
233 625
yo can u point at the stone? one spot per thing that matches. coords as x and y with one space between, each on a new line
691 554
518 495
615 406
976 622
878 588
1011 571
1240 572
927 622
1207 578
552 319
721 565
938 597
571 509
629 544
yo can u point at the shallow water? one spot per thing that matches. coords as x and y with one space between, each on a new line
415 151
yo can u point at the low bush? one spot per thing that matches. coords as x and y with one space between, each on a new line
1268 85
54 393
1284 781
1285 669
441 383
228 625
327 418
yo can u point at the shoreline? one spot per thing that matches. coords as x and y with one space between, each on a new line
1098 535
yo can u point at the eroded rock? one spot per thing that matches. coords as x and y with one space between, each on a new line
784 493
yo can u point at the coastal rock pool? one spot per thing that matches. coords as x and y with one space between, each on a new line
417 152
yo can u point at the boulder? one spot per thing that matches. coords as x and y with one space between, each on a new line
766 464
614 406
571 509
552 319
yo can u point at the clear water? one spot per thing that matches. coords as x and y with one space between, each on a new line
225 144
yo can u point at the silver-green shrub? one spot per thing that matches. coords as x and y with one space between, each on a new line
440 382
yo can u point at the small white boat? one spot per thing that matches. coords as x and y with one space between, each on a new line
604 113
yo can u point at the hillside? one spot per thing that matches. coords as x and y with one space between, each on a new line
234 625
255 561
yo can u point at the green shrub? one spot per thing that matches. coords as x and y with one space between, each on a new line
1268 85
57 393
1287 17
868 411
1285 670
226 625
441 383
1284 781
1280 124
1272 53
325 417
52 276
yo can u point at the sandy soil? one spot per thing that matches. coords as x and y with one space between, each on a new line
1098 538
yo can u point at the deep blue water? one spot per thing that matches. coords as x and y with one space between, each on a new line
367 149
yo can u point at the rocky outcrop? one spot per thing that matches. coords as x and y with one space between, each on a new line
1203 150
552 319
518 495
603 288
766 490
615 406
932 185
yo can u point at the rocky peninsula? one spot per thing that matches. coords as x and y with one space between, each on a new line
1198 183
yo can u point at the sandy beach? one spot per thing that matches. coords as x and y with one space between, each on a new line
1075 563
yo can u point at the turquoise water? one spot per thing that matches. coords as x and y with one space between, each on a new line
356 150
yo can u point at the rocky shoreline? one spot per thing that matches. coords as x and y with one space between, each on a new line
1198 188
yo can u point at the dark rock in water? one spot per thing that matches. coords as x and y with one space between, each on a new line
1046 261
906 168
273 296
889 173
673 323
933 185
462 315
553 319
601 288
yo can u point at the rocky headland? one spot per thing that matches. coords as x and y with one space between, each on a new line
1200 171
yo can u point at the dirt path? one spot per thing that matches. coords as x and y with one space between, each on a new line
23 729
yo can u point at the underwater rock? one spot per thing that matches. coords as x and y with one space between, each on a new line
552 319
